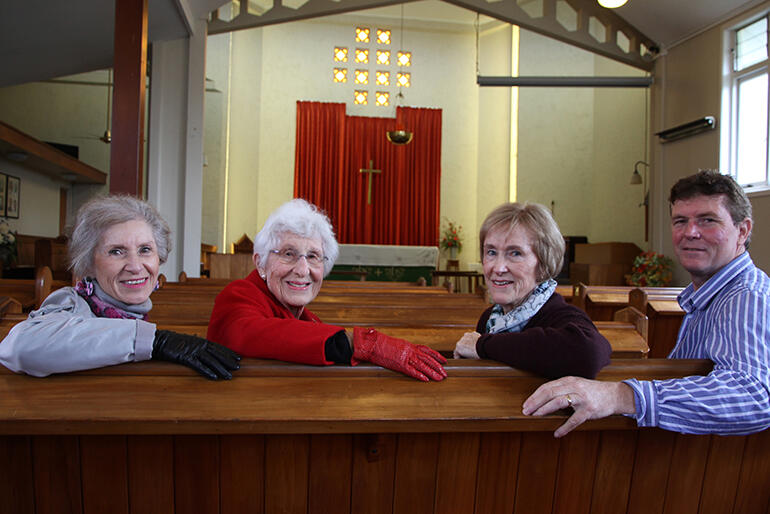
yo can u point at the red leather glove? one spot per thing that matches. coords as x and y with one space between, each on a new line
417 361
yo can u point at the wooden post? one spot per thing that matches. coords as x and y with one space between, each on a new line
130 62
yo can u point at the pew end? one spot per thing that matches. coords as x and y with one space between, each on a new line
9 305
635 317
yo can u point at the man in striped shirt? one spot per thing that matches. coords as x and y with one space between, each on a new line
727 320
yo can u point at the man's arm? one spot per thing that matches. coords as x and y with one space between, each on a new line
590 399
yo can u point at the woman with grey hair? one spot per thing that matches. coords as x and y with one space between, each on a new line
530 326
116 248
264 315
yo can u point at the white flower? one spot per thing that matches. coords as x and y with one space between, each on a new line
4 228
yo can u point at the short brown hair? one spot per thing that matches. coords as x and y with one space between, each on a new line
549 243
714 183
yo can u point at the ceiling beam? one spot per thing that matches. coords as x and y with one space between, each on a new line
582 23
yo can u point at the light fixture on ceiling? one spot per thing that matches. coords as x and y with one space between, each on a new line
400 136
612 4
17 155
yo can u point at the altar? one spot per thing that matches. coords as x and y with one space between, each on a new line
387 263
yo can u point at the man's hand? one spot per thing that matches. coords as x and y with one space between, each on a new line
590 399
466 346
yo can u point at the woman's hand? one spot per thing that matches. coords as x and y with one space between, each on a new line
210 359
417 361
466 346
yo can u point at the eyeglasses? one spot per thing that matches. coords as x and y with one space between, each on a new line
291 256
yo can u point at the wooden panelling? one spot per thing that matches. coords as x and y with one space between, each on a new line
577 468
196 481
497 473
103 464
331 464
456 474
685 476
374 466
651 464
753 492
303 439
286 473
151 473
538 464
16 493
58 488
614 466
723 470
415 484
242 476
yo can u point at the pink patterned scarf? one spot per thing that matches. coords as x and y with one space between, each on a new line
105 306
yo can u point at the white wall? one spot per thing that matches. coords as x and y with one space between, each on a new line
578 146
38 201
689 87
275 66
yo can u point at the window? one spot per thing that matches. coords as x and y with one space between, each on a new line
371 65
744 147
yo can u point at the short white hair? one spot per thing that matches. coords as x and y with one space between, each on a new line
303 219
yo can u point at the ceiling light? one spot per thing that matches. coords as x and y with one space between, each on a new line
612 4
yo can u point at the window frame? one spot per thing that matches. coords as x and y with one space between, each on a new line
730 99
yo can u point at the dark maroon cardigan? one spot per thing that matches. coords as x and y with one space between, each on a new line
558 341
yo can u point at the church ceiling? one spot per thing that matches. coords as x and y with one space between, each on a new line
578 22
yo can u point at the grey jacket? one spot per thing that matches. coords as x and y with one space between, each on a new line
64 335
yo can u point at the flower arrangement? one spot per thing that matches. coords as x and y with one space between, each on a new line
7 245
451 237
650 269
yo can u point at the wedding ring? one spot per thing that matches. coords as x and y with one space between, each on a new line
569 400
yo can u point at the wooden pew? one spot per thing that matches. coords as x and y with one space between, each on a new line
665 317
29 293
153 437
657 303
601 302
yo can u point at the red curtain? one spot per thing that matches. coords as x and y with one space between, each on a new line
332 148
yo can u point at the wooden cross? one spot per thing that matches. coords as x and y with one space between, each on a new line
369 170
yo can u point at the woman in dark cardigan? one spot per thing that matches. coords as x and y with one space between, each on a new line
530 326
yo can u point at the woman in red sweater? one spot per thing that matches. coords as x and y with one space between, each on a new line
530 326
264 315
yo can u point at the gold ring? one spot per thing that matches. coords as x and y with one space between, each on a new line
569 400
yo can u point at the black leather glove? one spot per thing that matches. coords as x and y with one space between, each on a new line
210 359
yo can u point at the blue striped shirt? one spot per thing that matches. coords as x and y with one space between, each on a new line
728 322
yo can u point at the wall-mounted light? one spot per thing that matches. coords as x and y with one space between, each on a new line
688 129
639 178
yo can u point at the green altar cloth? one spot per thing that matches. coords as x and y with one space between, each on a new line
387 263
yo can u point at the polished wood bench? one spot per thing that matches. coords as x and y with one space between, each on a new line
153 437
29 293
665 317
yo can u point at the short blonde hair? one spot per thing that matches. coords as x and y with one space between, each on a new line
549 243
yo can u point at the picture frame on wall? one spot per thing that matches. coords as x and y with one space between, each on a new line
12 197
3 179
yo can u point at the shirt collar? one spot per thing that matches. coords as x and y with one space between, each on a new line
690 299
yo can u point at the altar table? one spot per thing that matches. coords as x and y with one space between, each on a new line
390 263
